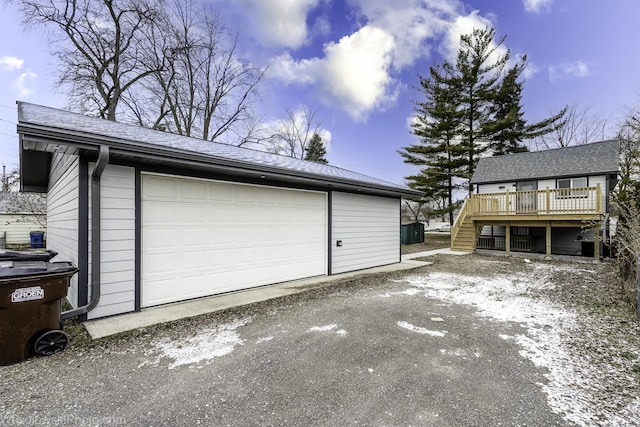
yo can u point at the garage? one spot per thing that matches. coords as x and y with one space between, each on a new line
155 218
204 237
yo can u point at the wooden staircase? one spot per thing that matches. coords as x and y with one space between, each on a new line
462 235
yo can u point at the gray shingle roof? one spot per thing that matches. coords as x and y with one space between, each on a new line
590 159
176 145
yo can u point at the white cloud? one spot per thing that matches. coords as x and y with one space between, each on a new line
19 85
536 6
279 23
354 73
530 70
464 25
358 73
357 70
578 69
411 23
10 63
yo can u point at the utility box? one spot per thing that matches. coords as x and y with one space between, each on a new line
412 233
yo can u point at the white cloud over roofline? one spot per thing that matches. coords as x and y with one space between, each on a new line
279 22
19 85
353 75
357 73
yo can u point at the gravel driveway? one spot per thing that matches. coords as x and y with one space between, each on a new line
470 340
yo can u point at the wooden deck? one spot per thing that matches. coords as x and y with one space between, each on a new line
565 207
539 204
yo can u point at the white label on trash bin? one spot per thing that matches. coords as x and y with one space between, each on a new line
27 294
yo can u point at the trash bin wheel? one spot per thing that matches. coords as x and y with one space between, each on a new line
51 342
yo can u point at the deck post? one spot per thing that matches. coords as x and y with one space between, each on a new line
548 200
598 199
507 239
506 203
548 240
596 244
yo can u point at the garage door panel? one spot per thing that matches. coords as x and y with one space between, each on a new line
193 190
157 187
205 237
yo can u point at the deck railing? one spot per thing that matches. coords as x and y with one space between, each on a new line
585 200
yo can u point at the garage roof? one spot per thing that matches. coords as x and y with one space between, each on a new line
598 158
44 130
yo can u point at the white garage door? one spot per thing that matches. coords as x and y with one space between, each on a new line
202 237
368 229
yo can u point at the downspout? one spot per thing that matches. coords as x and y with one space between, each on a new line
101 164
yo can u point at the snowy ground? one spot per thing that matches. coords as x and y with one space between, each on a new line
593 365
430 343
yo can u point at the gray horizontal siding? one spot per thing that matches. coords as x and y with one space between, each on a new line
117 268
63 214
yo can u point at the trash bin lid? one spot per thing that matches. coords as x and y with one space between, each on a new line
19 269
27 255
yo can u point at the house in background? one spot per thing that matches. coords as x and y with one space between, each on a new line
152 218
555 202
20 215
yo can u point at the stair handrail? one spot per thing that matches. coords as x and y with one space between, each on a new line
459 220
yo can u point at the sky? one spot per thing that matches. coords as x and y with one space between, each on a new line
357 63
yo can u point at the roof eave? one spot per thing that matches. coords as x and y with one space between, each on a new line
145 151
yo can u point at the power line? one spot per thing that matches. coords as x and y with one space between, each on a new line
8 121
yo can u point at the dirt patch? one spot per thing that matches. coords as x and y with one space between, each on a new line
431 241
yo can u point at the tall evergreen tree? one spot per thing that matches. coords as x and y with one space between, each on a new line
509 125
479 66
510 129
438 123
472 108
316 151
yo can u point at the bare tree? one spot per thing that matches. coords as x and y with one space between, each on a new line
97 46
168 65
580 127
28 207
199 87
293 134
626 204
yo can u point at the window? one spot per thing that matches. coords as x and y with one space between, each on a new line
567 185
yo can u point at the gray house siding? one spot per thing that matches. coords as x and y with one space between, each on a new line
117 268
63 214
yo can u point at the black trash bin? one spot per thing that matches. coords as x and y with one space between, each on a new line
6 255
31 294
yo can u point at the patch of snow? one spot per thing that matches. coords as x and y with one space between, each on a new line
341 332
458 352
325 328
370 370
420 330
575 385
210 342
264 339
